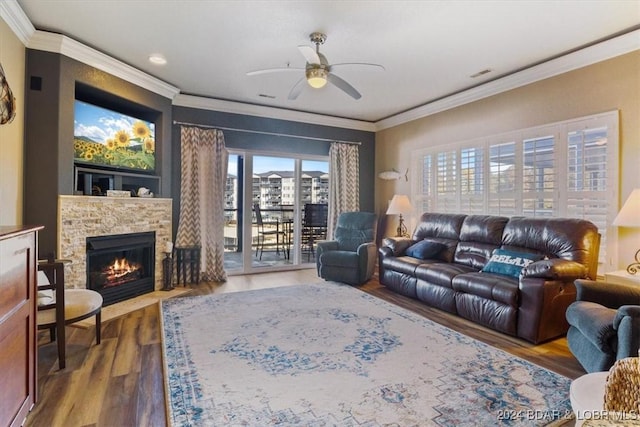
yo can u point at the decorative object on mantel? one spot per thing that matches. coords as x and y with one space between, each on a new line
144 192
7 100
118 193
393 175
400 204
629 217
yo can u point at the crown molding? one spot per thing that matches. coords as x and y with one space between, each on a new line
590 55
270 112
57 43
17 20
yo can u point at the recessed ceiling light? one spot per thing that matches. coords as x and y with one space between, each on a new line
157 59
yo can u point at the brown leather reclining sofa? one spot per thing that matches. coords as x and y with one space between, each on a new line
529 303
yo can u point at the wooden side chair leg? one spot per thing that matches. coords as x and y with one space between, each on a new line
98 327
62 356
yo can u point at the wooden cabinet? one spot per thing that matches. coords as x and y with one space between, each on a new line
18 351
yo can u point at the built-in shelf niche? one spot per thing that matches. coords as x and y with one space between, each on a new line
87 179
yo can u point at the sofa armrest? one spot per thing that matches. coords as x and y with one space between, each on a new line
555 269
397 245
612 295
543 303
324 246
627 324
595 323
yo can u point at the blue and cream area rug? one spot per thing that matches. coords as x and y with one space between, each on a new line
330 355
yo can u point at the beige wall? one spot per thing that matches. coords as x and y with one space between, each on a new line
12 58
606 86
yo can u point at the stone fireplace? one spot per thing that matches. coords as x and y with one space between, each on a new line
83 217
121 266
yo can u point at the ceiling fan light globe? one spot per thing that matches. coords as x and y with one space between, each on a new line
317 82
316 77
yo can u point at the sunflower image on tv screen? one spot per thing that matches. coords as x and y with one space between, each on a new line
107 138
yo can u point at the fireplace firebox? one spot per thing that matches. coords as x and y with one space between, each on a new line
121 266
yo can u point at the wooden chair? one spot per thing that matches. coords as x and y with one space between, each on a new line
58 307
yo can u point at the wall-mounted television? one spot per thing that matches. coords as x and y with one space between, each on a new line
112 140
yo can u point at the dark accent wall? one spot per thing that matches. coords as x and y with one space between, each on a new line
53 81
277 145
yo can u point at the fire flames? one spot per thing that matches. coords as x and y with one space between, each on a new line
121 271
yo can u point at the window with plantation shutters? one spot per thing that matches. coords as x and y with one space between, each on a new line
423 201
472 180
447 181
566 169
590 170
539 177
502 179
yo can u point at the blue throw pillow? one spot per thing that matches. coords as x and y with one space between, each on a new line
424 249
509 263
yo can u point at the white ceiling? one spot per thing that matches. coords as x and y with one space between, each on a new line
429 48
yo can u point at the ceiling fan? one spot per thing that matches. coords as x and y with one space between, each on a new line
318 71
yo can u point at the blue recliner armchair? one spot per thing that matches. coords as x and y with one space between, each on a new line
604 324
351 257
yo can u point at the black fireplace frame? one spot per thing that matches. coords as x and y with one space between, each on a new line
100 245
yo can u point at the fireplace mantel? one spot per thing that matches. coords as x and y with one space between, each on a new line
80 217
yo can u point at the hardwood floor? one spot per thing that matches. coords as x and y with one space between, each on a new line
120 381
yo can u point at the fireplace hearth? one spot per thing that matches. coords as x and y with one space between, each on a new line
121 266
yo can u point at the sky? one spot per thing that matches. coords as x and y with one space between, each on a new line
99 123
265 164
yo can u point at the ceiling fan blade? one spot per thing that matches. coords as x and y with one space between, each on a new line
273 70
309 54
366 64
296 89
344 86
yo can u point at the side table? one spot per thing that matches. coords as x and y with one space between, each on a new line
621 277
188 258
587 396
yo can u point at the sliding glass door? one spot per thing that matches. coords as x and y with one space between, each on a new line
269 203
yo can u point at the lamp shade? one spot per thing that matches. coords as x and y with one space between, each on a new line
400 204
629 215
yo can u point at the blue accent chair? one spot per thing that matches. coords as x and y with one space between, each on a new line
604 324
351 257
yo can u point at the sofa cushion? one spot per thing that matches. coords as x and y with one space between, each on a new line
424 249
403 264
509 263
440 273
442 228
565 238
495 287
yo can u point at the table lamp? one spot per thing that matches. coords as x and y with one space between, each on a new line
399 205
629 216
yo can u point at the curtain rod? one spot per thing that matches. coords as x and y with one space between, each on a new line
175 122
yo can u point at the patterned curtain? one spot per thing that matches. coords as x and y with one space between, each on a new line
344 184
203 177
